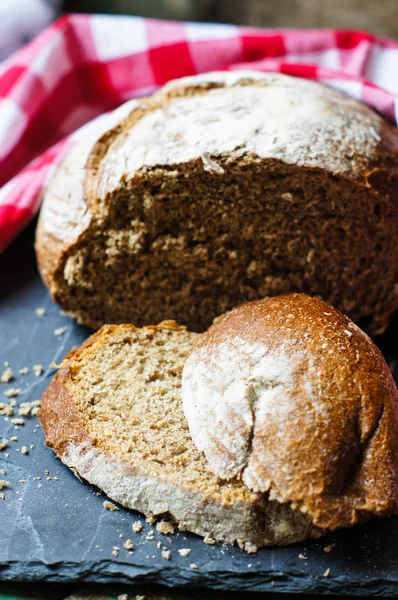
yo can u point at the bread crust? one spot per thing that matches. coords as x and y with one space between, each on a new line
369 158
252 522
288 394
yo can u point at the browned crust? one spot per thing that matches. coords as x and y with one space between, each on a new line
344 470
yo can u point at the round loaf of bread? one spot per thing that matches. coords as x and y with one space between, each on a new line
292 397
224 188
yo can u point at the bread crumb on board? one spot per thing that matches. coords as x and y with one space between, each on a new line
59 332
194 566
150 520
38 370
137 527
7 376
326 573
184 551
14 438
17 421
24 371
40 311
24 450
3 444
209 540
166 554
26 408
6 409
329 548
165 527
109 505
4 483
302 556
128 544
12 392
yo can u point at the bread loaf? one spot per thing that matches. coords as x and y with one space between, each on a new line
290 396
223 188
113 414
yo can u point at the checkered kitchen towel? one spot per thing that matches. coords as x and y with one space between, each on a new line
82 66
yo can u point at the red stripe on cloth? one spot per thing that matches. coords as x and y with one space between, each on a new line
12 220
171 62
130 75
347 40
9 78
256 46
299 70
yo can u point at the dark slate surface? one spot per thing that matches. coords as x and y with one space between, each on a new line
58 529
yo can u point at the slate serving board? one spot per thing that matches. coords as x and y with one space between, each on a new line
58 529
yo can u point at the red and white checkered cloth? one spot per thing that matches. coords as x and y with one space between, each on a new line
82 66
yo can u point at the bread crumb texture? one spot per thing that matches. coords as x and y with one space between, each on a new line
109 505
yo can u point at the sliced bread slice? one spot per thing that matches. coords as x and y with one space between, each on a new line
113 414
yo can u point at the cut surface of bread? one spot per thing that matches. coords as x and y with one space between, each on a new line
224 188
113 414
291 397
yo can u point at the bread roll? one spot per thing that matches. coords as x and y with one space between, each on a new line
223 188
291 397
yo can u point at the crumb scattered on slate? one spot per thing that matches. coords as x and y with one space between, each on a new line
24 371
27 408
193 566
14 438
24 450
6 409
128 544
12 392
4 483
40 311
165 527
137 526
3 444
109 505
209 540
329 548
184 551
2 496
166 554
38 370
7 376
59 332
17 421
150 520
326 573
123 597
302 556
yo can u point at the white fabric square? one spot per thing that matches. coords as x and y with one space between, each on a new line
382 68
352 88
52 62
12 123
118 36
209 31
